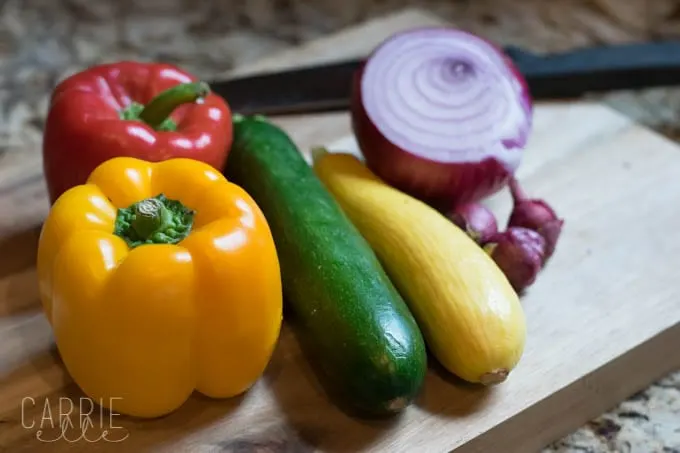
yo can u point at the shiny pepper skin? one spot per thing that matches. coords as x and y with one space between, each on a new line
151 111
147 325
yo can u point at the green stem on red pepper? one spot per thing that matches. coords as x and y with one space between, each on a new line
155 220
157 112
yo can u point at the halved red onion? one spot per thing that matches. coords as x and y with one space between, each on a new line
441 114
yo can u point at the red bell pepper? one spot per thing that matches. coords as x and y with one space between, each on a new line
145 110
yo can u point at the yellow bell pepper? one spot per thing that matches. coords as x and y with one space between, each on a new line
159 279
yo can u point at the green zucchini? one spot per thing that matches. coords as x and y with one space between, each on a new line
352 322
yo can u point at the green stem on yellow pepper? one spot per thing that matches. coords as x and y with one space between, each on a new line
155 220
150 216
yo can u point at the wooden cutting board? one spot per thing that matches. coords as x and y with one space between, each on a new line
604 317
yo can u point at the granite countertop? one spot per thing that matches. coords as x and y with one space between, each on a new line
41 41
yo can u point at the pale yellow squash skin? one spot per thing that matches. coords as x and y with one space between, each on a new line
469 314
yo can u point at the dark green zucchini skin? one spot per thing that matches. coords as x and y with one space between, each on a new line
350 318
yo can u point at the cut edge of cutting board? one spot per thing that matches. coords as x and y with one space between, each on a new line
589 397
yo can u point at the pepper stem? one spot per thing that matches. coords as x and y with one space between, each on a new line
157 111
155 220
150 216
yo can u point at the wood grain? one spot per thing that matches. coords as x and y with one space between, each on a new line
604 318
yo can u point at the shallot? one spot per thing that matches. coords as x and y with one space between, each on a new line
442 115
535 214
476 220
519 253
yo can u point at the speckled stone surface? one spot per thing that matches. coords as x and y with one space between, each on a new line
41 41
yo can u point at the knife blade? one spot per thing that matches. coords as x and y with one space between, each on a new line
327 87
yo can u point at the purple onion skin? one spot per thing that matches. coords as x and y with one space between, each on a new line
439 184
536 215
436 183
519 253
476 220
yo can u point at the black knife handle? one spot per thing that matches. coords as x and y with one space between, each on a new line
320 88
596 69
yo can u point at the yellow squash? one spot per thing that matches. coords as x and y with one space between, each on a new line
470 316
